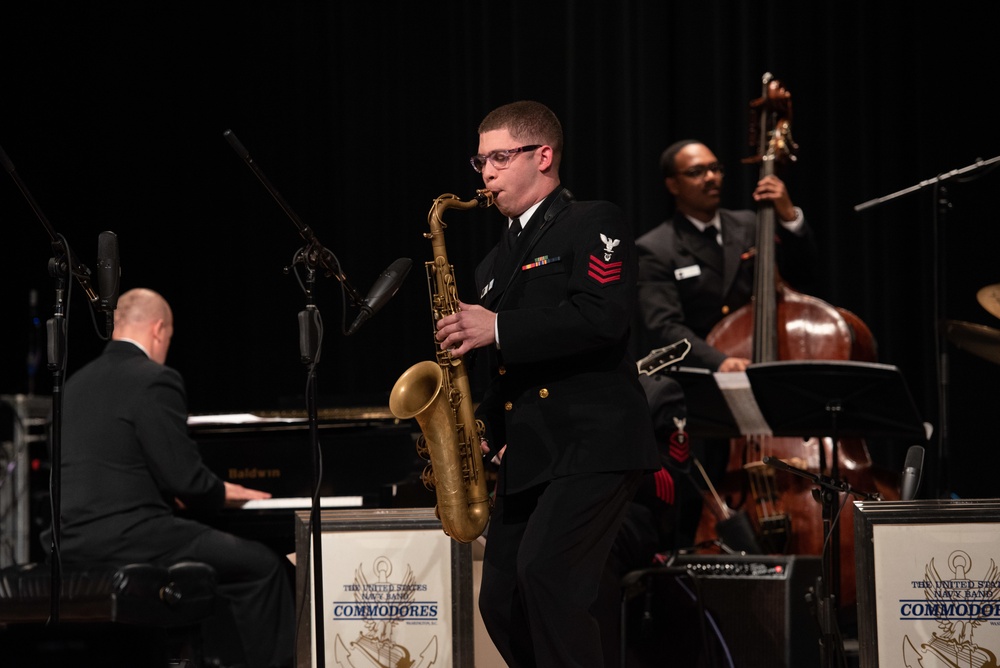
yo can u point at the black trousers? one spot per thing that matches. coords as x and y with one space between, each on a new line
251 577
546 551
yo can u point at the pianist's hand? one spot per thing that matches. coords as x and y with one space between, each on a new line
237 494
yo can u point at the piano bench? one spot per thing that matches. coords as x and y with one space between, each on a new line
170 602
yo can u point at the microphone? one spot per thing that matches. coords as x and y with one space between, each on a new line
236 144
108 271
912 470
383 289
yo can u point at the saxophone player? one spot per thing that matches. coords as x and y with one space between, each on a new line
564 407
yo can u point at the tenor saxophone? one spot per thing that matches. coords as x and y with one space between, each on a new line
436 393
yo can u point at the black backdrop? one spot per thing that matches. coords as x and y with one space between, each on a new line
362 113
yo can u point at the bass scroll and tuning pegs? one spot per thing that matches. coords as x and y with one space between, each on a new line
771 124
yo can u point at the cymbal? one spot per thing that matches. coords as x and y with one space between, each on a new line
977 339
989 298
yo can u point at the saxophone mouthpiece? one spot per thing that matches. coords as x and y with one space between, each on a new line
484 197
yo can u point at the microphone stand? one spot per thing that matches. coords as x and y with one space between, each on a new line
60 265
312 256
943 205
314 253
310 347
978 164
830 489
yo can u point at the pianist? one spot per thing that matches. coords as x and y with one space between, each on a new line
128 462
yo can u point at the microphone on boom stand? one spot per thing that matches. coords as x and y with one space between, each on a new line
385 286
62 266
108 277
314 256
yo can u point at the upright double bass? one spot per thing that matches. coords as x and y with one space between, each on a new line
783 324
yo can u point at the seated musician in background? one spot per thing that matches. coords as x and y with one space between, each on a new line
128 462
694 269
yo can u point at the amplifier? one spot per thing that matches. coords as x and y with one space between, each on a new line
709 611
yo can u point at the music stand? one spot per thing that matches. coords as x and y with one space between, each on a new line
804 399
859 399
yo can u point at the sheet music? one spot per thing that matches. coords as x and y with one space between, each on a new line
739 397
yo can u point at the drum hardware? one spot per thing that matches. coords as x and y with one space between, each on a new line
979 340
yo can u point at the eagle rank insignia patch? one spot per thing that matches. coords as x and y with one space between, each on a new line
605 271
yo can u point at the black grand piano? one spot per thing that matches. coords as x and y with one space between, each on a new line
368 460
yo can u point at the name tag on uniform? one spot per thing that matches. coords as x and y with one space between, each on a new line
687 272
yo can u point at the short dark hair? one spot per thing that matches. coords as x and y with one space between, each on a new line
668 159
527 121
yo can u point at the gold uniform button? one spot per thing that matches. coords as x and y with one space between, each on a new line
543 393
508 406
725 310
502 370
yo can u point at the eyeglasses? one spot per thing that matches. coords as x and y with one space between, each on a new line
499 159
699 171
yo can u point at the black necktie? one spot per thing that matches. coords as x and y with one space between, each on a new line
510 239
711 234
512 232
505 254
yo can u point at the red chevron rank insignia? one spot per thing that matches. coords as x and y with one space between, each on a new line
604 272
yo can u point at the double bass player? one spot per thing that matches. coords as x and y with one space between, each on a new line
728 283
695 268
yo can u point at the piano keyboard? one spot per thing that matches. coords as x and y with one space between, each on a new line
303 502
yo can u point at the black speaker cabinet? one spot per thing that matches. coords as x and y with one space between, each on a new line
721 611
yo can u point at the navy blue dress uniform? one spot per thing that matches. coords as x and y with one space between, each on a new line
565 399
686 287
